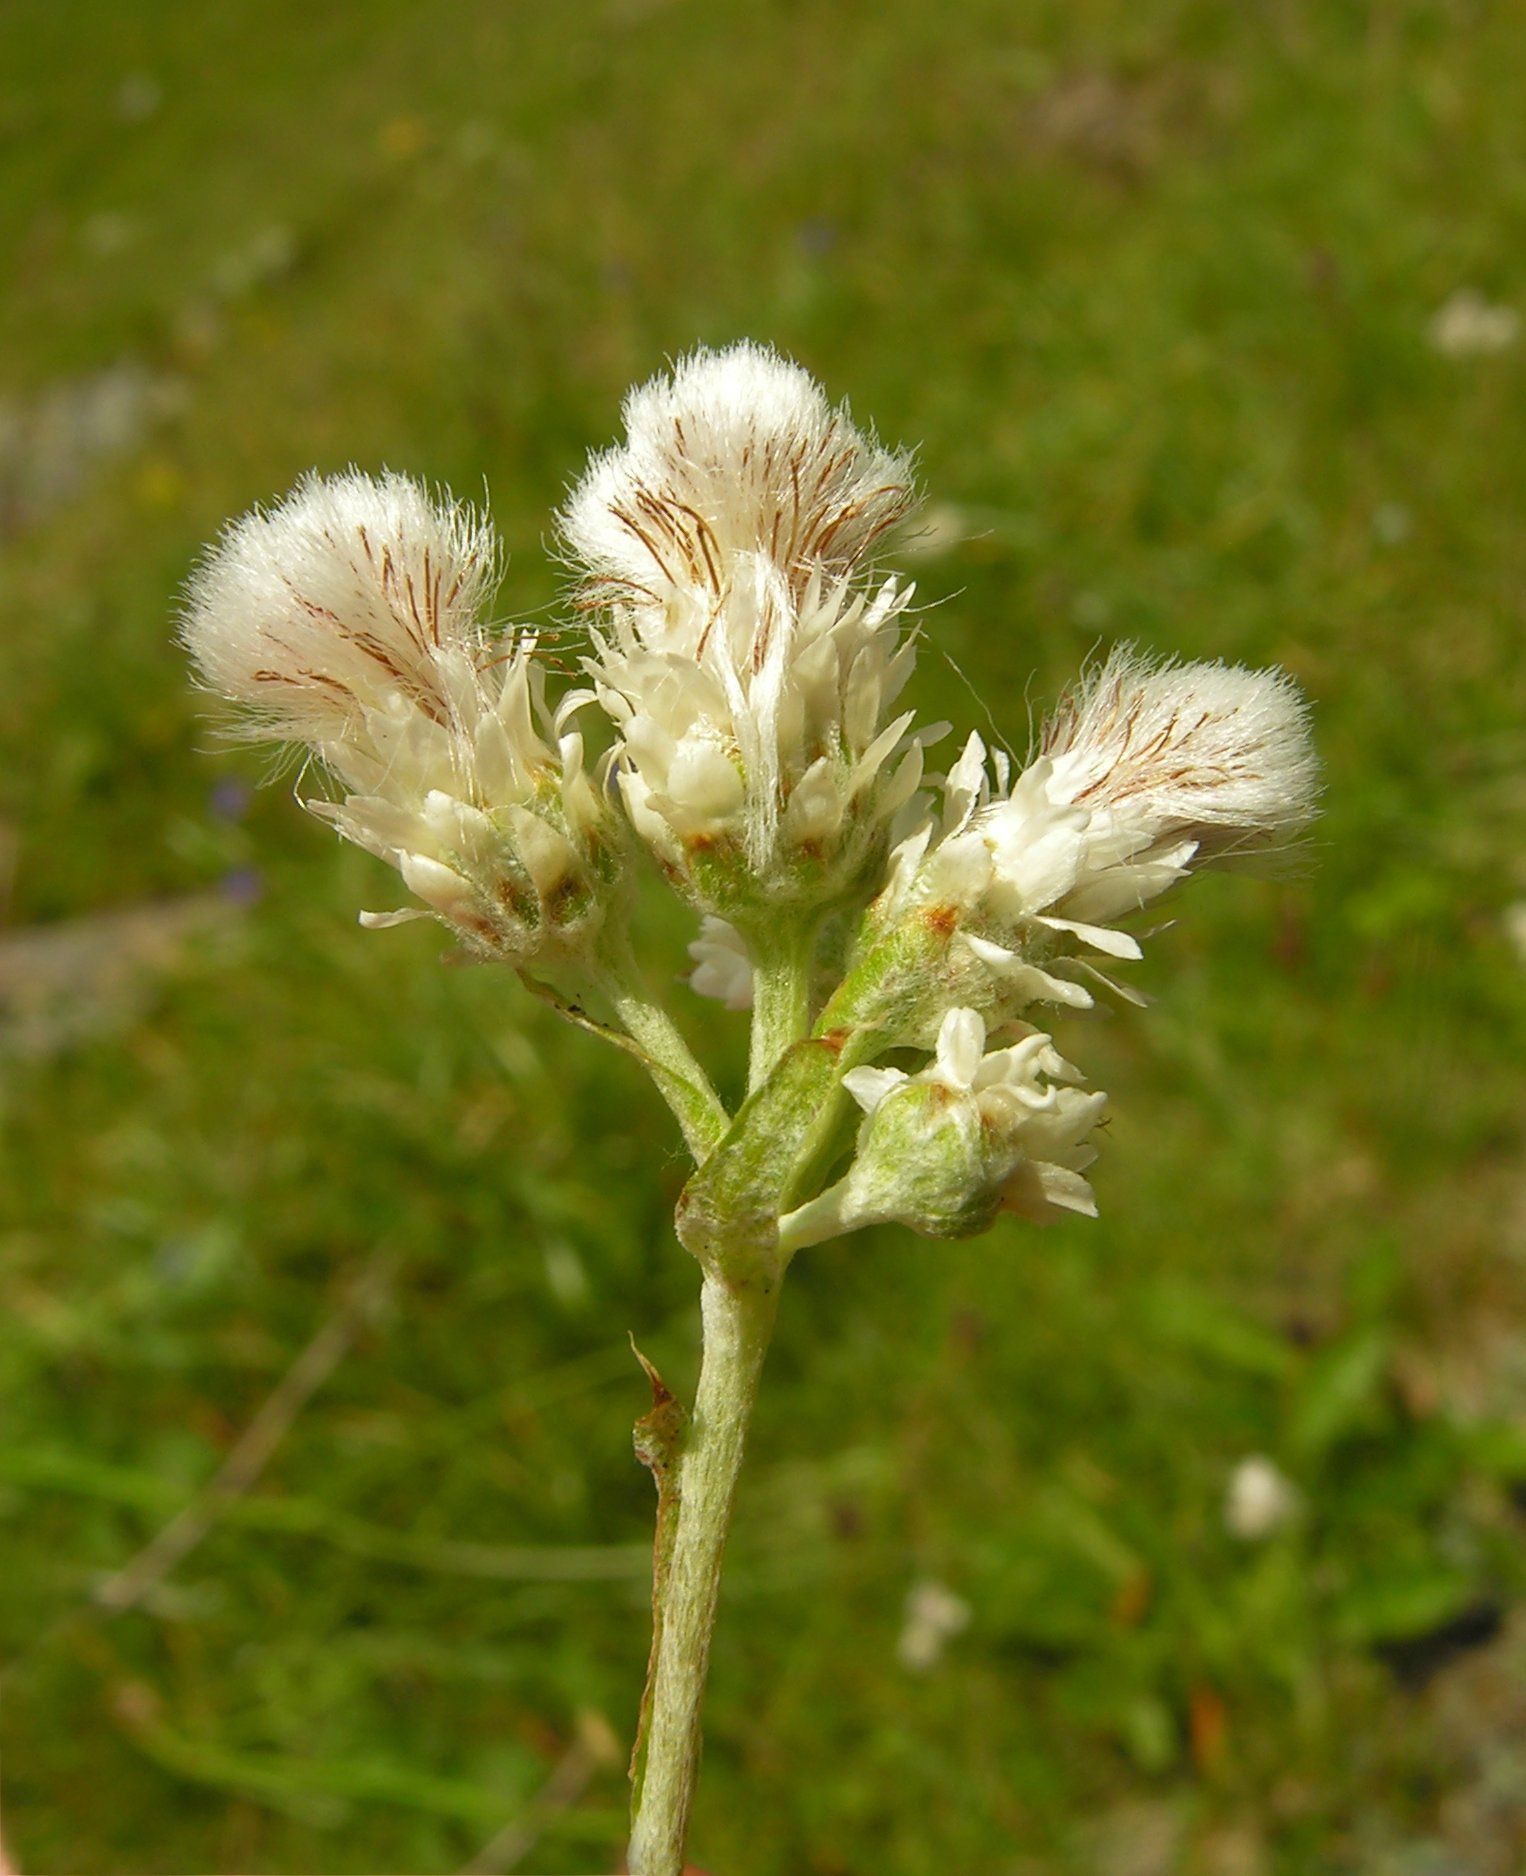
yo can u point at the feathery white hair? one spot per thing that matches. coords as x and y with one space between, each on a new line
1213 753
350 589
736 452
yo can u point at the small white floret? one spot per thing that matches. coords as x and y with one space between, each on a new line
976 1132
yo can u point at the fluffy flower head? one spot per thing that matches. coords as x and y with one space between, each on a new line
749 669
1208 753
353 592
1147 771
736 453
349 619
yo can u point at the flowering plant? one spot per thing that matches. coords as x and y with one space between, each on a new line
896 935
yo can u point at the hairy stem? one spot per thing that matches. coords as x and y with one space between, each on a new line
815 1221
680 1080
738 1322
781 994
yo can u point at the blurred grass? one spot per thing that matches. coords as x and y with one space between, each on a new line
1152 286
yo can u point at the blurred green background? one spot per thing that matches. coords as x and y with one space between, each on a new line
1205 318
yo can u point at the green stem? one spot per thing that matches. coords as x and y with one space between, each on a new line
815 1221
738 1322
813 1152
680 1080
781 993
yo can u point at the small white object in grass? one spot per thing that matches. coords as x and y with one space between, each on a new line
1392 523
934 1615
138 97
566 1275
1469 326
1260 1499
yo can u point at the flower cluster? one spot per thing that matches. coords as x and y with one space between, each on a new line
1147 771
349 620
747 658
745 666
975 1133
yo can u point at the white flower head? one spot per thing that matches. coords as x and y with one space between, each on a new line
749 667
975 1133
1148 770
349 619
352 592
1168 752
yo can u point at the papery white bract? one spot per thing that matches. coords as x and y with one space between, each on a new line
349 619
749 669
